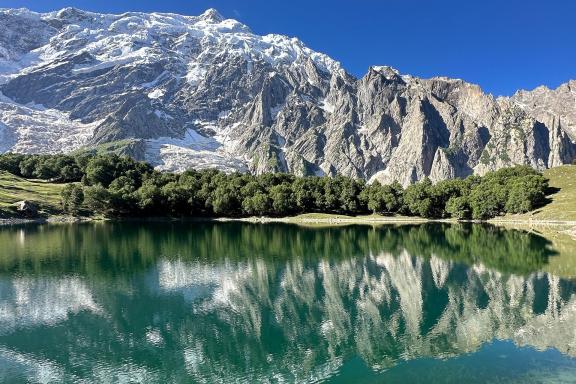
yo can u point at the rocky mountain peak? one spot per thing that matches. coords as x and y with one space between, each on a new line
211 15
71 13
388 72
204 91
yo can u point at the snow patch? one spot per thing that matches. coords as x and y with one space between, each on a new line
38 107
326 106
363 129
35 129
156 94
386 70
122 60
9 68
193 151
279 49
195 73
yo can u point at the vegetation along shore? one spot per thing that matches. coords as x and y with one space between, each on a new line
112 186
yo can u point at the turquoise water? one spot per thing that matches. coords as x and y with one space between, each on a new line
245 303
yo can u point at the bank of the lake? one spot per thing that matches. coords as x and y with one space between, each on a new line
559 210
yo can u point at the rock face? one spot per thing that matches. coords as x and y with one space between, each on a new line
546 104
204 91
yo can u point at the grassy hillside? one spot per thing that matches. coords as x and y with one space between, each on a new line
562 204
14 189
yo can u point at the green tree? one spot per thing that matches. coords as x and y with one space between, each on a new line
458 208
100 170
443 191
225 201
308 194
349 191
69 173
27 166
72 196
418 198
282 199
259 204
10 162
487 200
525 193
382 198
149 198
370 196
97 199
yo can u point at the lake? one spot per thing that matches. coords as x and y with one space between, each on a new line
278 303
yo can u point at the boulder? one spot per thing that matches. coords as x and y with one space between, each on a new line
26 208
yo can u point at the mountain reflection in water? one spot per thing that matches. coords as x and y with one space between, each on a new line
234 302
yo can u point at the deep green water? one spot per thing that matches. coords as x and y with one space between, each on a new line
244 303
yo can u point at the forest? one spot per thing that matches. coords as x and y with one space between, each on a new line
118 186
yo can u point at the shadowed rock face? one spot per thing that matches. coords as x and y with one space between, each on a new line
202 91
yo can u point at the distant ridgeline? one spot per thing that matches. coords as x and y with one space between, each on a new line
117 186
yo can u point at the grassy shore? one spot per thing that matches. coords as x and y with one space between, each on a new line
560 211
561 208
13 189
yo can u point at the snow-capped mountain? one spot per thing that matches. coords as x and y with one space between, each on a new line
204 91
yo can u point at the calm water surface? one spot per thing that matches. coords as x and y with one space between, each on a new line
244 303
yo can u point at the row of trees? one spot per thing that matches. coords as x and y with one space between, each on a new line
60 168
119 186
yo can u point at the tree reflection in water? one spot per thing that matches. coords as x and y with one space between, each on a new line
240 302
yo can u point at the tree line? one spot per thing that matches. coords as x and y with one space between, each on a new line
117 186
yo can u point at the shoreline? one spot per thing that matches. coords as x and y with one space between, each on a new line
44 220
303 219
546 228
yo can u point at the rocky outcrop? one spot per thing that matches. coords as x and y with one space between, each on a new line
26 209
561 148
204 91
441 167
543 103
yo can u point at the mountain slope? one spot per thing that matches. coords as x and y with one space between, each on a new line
204 91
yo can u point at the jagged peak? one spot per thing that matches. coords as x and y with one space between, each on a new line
540 88
385 69
70 12
390 73
570 84
211 15
23 12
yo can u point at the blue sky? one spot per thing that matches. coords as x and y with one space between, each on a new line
502 45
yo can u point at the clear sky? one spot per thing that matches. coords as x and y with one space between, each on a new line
503 45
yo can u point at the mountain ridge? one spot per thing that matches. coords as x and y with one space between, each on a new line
205 91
